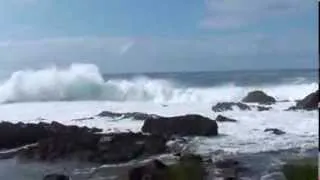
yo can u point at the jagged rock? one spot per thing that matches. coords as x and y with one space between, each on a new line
221 118
275 131
187 125
228 106
259 97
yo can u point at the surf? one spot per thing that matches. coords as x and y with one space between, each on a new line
80 82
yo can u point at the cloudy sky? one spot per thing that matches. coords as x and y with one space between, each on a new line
166 35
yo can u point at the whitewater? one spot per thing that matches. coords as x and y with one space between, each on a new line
81 90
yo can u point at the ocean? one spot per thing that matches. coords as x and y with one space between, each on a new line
82 90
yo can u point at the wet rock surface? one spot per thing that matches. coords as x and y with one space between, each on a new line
259 97
132 115
264 108
19 134
221 118
54 141
310 102
275 131
228 106
187 125
98 148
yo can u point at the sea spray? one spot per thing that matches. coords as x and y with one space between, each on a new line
86 82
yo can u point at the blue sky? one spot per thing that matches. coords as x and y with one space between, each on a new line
145 35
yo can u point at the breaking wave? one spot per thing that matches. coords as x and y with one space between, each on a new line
85 82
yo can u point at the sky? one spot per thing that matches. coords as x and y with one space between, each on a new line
159 36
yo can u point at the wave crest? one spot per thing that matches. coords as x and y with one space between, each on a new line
85 82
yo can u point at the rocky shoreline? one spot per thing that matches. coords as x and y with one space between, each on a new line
54 142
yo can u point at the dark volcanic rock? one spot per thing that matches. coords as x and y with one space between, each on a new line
56 177
310 102
56 141
187 125
134 115
221 118
83 119
275 131
122 147
259 97
99 148
14 135
227 106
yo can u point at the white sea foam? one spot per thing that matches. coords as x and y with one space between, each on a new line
247 135
85 82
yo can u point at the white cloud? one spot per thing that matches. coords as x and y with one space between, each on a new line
222 14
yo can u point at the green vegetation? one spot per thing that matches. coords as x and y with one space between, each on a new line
305 169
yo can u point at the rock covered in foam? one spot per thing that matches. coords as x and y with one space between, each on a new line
263 108
275 131
228 106
221 118
132 115
186 125
259 97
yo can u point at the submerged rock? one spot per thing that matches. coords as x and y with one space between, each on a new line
275 131
221 118
133 115
259 97
228 106
263 108
186 125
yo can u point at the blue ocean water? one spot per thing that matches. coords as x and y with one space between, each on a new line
238 78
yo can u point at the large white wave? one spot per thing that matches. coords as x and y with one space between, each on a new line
85 82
